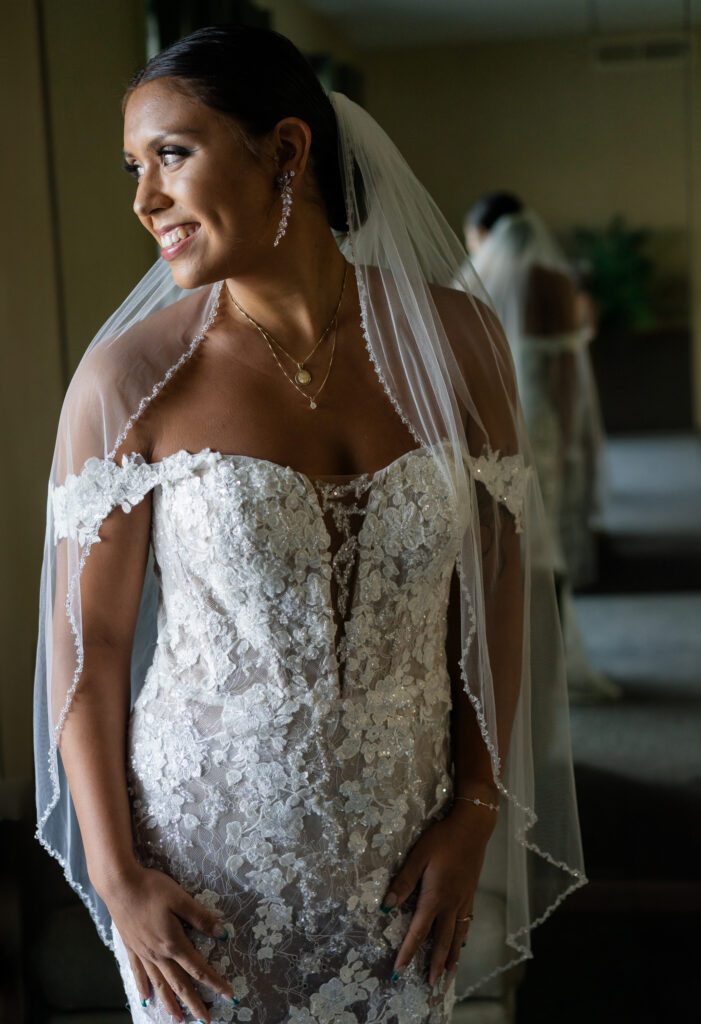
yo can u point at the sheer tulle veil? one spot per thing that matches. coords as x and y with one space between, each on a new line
441 356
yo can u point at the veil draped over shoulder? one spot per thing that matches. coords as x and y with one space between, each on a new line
440 353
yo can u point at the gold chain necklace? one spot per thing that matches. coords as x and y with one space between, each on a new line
310 398
302 376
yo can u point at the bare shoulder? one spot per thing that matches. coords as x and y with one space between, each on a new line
483 358
475 335
148 343
551 302
107 392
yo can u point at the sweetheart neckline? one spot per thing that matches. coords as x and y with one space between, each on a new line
338 479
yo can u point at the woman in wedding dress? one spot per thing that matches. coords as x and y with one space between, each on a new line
289 532
534 295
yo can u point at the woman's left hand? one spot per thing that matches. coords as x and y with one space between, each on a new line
447 860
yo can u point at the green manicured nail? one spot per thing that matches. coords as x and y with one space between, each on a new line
144 1002
389 902
395 977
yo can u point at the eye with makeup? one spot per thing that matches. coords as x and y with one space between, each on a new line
179 152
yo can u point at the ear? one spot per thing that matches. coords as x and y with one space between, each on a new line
291 145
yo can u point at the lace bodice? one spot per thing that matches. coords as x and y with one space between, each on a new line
85 499
292 736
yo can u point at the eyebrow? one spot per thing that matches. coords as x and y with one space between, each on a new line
157 139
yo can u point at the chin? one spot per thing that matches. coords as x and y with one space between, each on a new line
191 277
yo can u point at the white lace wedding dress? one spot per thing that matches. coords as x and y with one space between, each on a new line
291 740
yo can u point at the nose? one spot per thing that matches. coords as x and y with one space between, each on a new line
150 197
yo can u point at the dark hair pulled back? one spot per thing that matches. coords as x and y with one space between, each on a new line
491 207
258 77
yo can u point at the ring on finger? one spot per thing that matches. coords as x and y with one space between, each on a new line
461 920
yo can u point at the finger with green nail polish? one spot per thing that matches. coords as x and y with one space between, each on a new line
388 902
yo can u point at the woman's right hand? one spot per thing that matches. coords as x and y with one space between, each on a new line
148 908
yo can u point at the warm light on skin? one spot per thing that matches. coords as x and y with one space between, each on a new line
209 177
201 172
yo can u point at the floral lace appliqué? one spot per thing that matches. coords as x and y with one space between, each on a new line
275 795
506 479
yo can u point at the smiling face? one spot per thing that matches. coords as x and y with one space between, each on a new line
208 202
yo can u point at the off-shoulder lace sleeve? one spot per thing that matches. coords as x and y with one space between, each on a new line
84 500
506 479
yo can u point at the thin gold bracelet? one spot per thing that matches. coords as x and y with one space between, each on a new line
476 800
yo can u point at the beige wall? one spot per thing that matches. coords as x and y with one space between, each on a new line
310 32
30 389
537 117
92 49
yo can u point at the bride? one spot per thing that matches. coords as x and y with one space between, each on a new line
285 681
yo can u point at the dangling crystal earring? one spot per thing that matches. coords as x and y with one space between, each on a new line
283 180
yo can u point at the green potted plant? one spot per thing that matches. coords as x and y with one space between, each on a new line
618 274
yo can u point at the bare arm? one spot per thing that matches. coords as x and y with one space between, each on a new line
93 741
504 628
502 577
446 861
551 311
147 906
471 762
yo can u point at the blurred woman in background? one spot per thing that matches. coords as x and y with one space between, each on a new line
529 281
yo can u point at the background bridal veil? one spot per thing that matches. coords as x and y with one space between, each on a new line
553 368
445 366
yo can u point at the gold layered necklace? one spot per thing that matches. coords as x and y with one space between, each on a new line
303 377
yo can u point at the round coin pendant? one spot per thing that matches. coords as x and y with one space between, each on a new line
303 376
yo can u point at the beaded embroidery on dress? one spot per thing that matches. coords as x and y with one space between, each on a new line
292 737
